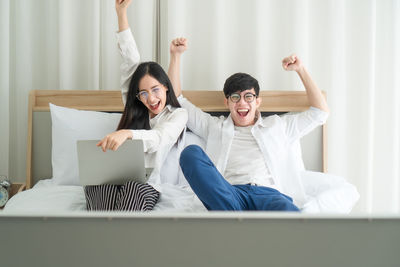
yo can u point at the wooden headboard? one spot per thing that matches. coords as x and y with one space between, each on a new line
111 101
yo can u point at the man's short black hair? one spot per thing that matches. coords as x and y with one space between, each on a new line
240 82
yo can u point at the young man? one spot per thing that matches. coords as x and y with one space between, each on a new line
254 167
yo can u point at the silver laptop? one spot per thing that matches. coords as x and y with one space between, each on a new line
111 167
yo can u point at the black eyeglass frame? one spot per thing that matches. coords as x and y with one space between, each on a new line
254 97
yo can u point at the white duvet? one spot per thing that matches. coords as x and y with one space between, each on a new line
326 194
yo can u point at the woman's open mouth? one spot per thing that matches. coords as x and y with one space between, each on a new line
155 106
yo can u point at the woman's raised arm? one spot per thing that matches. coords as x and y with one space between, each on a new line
127 47
121 6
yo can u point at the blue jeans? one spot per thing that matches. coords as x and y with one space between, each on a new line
217 194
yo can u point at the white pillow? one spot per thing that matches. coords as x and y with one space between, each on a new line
328 193
171 172
68 126
170 169
193 139
190 139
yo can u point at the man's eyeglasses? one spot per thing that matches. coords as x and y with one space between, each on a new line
144 95
248 97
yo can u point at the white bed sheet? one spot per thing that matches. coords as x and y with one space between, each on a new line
326 194
47 196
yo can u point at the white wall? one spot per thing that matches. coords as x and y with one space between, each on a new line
5 84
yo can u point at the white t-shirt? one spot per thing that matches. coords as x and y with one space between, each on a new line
246 164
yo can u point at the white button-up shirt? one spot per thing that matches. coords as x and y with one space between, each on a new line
166 127
274 135
130 59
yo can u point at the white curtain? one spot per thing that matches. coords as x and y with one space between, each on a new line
63 44
351 48
4 86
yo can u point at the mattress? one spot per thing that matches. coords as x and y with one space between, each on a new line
326 193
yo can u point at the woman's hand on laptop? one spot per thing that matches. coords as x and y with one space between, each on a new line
113 140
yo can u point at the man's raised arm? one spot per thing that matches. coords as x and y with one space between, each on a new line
177 47
314 94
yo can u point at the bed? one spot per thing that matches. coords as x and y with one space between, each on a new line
180 232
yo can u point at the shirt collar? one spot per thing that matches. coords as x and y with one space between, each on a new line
260 121
170 108
167 108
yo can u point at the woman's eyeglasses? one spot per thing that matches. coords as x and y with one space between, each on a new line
144 95
248 97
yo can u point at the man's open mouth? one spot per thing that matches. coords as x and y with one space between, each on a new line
243 112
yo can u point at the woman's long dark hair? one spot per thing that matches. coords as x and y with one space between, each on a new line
136 114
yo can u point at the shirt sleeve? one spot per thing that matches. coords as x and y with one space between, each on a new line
299 124
165 133
198 120
130 59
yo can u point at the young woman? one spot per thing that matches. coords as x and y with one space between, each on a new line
152 113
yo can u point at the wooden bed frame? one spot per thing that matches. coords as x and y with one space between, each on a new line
188 239
111 101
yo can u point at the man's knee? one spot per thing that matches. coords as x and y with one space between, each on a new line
189 155
281 203
287 205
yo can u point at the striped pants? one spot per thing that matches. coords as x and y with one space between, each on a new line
131 196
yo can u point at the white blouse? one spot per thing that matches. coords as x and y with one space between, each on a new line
130 59
166 127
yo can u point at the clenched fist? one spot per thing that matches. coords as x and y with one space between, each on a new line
178 45
292 62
